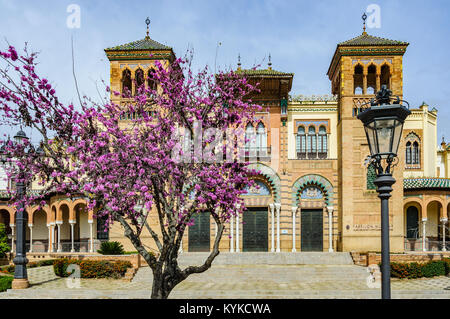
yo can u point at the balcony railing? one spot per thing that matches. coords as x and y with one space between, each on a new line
312 155
257 154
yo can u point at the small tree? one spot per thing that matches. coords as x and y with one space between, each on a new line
4 247
128 172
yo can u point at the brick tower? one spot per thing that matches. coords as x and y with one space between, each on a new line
133 63
358 69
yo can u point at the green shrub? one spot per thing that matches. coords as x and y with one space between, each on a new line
434 268
111 248
4 247
92 268
416 270
447 265
5 282
9 269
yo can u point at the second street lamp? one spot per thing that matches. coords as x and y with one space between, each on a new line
383 123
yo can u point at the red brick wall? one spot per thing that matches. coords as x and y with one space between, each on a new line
365 259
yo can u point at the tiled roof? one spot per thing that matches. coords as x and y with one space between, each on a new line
426 182
366 39
263 72
145 44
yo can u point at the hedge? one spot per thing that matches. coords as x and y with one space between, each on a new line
418 270
92 268
5 282
10 268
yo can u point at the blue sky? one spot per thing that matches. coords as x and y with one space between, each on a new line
301 37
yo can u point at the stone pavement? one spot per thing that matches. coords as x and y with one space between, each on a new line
238 281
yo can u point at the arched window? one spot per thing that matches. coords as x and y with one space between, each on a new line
415 153
412 222
126 82
358 80
301 142
408 153
371 79
151 80
385 76
250 139
323 146
412 158
261 138
371 176
139 76
312 142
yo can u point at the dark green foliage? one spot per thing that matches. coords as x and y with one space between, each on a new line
92 268
434 268
4 247
111 248
5 282
416 270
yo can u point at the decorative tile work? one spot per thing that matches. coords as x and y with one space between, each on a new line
316 180
427 182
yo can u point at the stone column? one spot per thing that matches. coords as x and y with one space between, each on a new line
278 206
232 234
52 227
424 234
364 81
72 225
49 237
91 236
12 236
58 224
378 86
294 212
330 228
238 249
31 238
443 221
273 227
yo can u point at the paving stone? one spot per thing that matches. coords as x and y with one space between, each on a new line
238 281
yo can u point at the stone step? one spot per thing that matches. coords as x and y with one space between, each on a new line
269 258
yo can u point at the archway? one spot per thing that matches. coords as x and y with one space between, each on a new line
311 194
40 231
432 226
81 232
255 226
5 220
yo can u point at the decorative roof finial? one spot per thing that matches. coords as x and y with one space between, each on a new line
147 21
364 17
239 61
270 62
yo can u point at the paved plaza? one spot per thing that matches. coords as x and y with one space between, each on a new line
238 281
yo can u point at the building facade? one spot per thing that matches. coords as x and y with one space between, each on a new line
316 190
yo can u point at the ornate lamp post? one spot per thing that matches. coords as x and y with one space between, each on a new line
20 260
383 123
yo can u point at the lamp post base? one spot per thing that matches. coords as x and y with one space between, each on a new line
20 284
384 184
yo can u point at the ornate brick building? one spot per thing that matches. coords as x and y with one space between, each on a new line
316 192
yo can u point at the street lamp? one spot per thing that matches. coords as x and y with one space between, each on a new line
383 123
20 260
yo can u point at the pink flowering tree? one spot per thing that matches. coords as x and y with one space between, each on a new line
177 156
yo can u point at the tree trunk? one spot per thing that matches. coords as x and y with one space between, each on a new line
159 289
